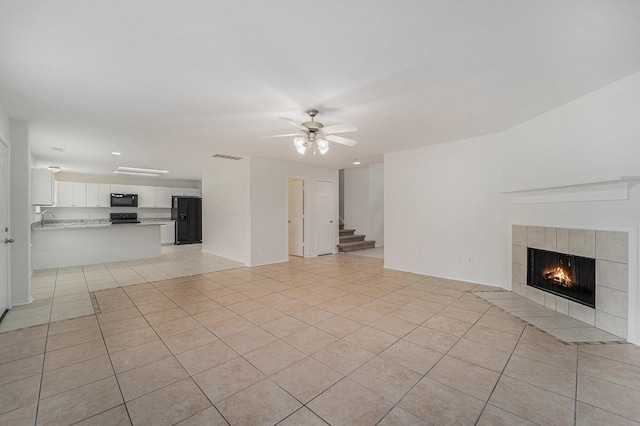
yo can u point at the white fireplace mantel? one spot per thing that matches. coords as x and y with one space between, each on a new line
616 188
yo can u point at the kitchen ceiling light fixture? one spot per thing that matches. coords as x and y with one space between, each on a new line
141 170
54 169
120 172
356 162
136 171
116 153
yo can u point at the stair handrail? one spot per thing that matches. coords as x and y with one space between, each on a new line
340 220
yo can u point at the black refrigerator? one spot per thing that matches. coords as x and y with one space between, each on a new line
187 212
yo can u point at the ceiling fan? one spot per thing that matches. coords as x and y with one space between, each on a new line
314 135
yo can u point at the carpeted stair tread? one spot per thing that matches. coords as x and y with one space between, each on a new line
351 238
357 245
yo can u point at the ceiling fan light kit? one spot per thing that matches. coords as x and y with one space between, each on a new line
314 135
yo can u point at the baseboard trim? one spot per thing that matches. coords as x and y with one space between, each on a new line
24 302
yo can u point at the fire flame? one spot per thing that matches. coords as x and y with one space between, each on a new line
560 277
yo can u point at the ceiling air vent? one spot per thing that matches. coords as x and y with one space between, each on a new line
226 157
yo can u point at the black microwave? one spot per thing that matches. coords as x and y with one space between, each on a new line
124 200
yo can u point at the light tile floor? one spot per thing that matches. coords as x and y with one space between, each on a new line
332 340
63 293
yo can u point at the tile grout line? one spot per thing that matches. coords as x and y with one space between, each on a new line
501 374
439 359
172 355
44 358
115 375
575 396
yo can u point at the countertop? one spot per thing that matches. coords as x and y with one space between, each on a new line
91 224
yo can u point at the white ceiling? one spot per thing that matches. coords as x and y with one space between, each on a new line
169 83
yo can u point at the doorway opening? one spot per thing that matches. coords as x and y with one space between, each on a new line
296 219
4 229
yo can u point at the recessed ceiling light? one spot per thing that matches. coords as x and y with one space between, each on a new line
54 169
356 162
116 153
141 170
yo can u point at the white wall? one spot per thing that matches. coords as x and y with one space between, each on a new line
376 204
602 132
594 137
356 200
20 213
245 208
269 207
443 206
5 131
364 201
226 210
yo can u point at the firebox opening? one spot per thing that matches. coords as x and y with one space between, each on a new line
568 276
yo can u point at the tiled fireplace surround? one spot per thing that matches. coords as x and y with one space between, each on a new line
611 251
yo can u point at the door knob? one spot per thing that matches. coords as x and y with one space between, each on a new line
330 221
8 240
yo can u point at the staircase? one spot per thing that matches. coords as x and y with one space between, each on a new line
349 241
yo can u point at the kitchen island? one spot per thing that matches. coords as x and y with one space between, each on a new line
58 245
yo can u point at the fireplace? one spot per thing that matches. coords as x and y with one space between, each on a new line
568 276
611 273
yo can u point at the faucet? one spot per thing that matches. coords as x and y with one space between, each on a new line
42 216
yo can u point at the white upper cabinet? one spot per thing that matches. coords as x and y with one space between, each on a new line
117 189
154 197
72 194
43 187
98 195
163 198
75 194
146 196
124 189
188 192
130 189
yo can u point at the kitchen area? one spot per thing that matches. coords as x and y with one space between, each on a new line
88 219
84 240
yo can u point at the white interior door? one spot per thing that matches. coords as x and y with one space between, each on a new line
325 218
296 217
4 228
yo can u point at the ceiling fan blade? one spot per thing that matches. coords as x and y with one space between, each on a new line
340 128
282 136
341 140
294 124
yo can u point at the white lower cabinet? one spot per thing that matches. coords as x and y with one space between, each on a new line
168 233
